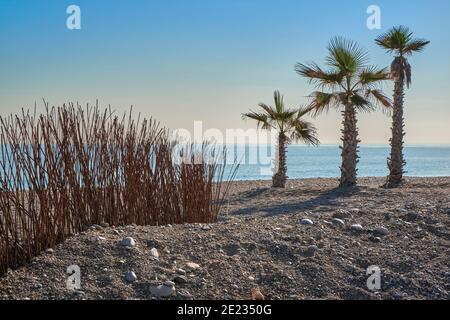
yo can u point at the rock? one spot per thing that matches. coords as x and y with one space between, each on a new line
306 222
181 271
162 291
128 242
256 294
338 222
99 238
104 225
313 248
192 266
251 278
375 239
49 251
154 253
357 227
169 284
206 228
381 231
130 276
180 279
448 211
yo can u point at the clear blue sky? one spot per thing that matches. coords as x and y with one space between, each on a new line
211 60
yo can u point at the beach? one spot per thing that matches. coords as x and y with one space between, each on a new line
264 239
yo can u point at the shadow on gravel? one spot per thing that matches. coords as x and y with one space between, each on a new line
318 198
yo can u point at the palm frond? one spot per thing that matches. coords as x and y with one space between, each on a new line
262 119
373 75
322 102
346 55
416 45
279 103
271 112
378 97
318 76
304 131
361 103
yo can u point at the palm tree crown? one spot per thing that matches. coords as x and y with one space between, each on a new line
287 121
349 79
400 42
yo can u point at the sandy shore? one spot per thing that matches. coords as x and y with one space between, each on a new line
260 242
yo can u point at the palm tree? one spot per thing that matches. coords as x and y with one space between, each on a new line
400 42
350 85
290 125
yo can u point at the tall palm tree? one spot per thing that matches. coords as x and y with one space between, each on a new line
349 85
400 42
290 125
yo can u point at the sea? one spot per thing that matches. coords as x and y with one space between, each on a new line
256 162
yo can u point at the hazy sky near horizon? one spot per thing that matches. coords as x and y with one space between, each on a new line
210 60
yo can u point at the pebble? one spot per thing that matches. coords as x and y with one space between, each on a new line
101 238
448 211
154 253
192 265
375 239
313 248
338 221
104 225
181 271
49 250
162 290
381 231
306 222
130 276
128 242
169 283
357 227
180 279
251 278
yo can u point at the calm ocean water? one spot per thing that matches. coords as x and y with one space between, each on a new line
324 161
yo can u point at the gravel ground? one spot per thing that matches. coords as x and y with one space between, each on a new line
264 242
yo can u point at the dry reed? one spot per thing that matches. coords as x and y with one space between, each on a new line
72 167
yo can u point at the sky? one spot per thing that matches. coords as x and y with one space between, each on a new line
211 60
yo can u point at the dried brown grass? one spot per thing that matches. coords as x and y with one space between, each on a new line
72 167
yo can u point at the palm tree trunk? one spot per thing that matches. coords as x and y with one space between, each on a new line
349 148
279 178
396 161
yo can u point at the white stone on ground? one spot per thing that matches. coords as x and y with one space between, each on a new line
128 242
338 221
306 222
154 253
357 227
192 265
